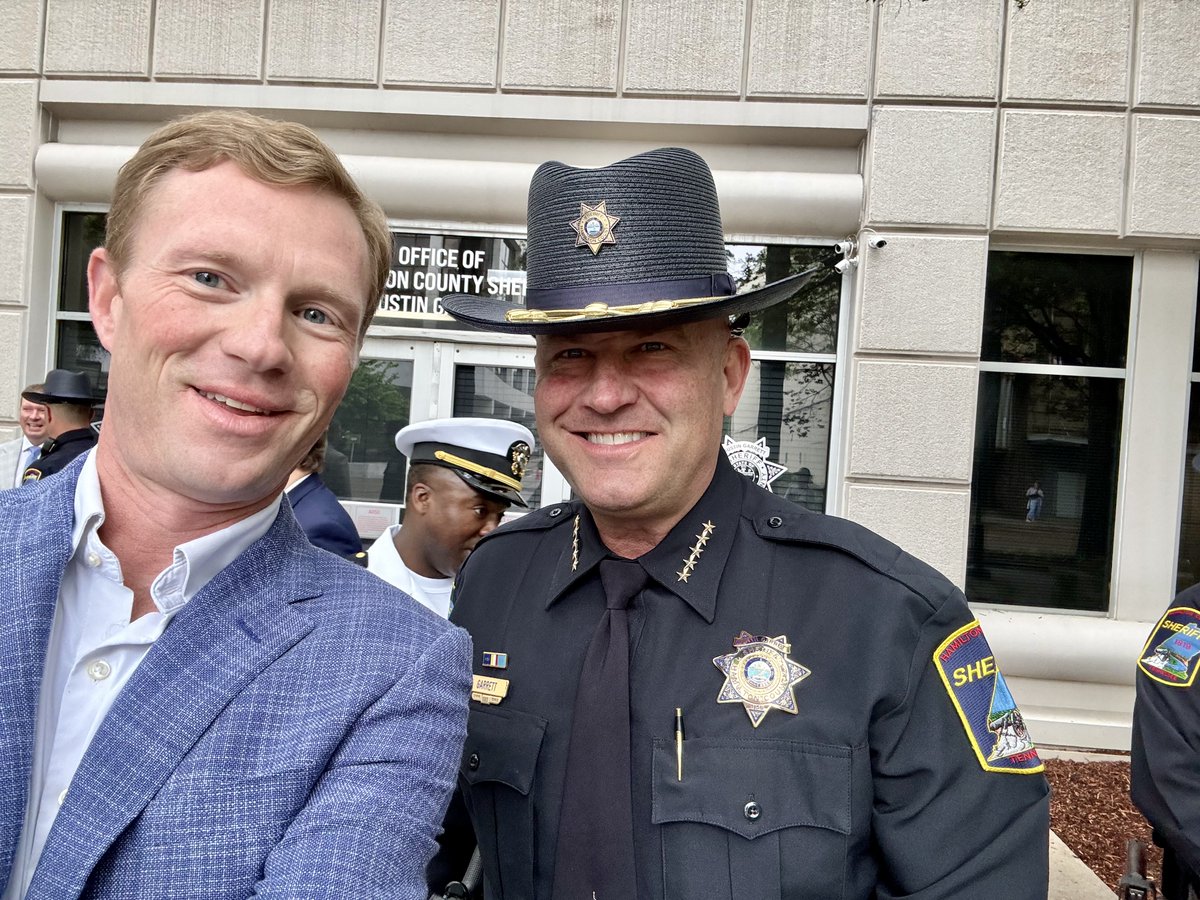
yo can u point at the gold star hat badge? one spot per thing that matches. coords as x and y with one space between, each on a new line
760 675
594 227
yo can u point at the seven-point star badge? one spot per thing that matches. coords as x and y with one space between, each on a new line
594 227
760 676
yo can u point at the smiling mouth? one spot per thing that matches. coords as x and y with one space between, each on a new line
616 437
234 404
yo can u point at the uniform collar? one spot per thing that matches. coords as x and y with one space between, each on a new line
68 437
688 562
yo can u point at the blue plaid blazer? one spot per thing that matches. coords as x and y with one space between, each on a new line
294 733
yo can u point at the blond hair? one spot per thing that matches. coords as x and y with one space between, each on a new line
277 153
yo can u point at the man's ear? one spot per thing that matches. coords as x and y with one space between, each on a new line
104 297
736 369
420 497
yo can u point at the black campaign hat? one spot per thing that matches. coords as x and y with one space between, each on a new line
64 386
635 244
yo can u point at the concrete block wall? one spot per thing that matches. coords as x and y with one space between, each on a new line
1072 123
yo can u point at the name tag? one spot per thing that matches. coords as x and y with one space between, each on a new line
485 689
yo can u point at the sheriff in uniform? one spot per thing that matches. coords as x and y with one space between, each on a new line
685 686
1165 767
68 399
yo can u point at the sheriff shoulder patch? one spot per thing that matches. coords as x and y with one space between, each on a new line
1172 655
988 712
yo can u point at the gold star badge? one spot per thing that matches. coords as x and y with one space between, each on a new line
594 227
760 676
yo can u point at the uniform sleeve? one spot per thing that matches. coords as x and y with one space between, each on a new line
369 828
945 825
1166 743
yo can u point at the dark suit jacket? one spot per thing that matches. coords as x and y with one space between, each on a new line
323 519
293 733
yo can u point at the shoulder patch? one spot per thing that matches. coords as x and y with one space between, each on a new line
31 475
1172 654
981 697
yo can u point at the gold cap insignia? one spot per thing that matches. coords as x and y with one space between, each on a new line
518 456
594 227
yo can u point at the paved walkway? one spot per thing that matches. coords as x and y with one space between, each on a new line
1070 878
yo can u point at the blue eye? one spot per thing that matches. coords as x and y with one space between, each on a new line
208 279
316 316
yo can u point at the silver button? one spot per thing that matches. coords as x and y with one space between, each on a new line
93 559
774 521
752 810
99 670
556 512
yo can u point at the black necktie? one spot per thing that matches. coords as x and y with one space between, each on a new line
595 827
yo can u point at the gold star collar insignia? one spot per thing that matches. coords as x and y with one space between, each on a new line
594 227
760 675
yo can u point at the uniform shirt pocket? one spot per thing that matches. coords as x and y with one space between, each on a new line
497 777
768 816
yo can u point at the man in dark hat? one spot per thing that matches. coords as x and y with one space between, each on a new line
68 399
463 474
686 686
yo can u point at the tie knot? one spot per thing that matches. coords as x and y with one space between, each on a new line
622 580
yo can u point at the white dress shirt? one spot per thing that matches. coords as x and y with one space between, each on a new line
94 648
385 561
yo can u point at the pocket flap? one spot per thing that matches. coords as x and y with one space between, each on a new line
753 787
502 745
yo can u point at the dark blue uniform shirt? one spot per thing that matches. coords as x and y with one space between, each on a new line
1165 770
59 451
872 788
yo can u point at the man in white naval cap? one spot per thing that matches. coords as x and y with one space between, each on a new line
463 474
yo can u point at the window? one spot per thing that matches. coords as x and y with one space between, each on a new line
1048 429
788 401
363 430
76 345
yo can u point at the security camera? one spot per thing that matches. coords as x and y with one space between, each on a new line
844 247
845 265
875 242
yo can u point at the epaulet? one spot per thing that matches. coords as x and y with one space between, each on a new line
538 520
783 521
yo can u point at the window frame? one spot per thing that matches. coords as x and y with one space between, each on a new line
1125 374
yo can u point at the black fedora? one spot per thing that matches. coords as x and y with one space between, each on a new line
635 244
64 386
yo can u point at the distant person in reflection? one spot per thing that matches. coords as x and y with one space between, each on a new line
464 474
19 453
316 507
336 472
1033 502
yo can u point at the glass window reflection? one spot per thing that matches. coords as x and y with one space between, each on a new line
808 322
789 407
362 435
1057 308
1043 499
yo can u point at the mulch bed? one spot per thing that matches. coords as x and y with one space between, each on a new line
1091 811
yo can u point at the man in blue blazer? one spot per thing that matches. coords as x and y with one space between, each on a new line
324 520
195 701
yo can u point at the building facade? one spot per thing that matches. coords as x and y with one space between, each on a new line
1001 375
